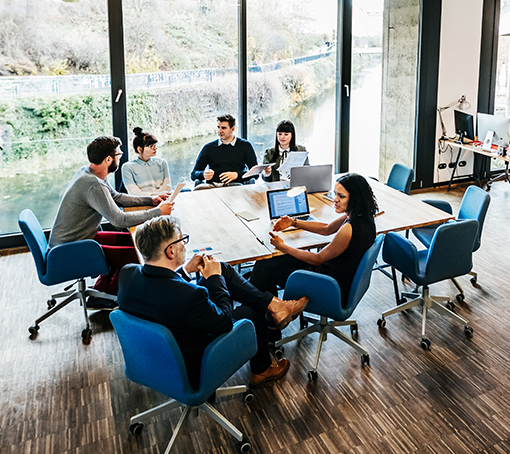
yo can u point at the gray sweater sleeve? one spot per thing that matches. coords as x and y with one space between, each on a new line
103 199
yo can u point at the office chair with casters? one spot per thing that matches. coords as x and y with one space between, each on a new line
153 359
66 262
449 255
326 301
474 205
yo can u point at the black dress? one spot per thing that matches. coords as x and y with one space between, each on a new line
268 274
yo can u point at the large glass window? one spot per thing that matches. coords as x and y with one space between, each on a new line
181 66
54 97
292 71
502 101
366 73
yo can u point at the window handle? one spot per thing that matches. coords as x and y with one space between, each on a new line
119 94
346 90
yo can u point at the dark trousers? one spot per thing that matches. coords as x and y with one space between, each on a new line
119 250
269 274
253 306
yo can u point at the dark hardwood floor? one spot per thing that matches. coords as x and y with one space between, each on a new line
61 396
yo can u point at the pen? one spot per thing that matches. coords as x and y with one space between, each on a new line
379 214
259 240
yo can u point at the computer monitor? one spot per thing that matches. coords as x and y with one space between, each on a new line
464 125
500 126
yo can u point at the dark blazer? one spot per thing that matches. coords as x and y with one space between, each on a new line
194 314
270 156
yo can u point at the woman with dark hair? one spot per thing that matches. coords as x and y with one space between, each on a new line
354 233
146 174
284 143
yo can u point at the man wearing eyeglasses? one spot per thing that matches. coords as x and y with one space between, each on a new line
161 291
88 199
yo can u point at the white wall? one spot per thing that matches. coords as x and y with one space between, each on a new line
459 64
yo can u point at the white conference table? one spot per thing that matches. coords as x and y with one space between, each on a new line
209 217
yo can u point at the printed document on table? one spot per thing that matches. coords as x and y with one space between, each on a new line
294 159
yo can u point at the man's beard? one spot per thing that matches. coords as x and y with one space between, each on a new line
113 166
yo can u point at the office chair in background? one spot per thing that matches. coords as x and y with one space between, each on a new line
401 179
474 205
326 301
153 358
66 262
449 255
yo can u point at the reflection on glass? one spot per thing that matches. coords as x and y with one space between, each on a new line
292 64
54 98
181 65
367 22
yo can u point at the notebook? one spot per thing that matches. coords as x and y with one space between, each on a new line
291 202
314 178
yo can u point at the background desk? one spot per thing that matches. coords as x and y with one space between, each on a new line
477 150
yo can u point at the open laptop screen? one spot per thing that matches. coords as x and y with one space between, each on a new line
287 202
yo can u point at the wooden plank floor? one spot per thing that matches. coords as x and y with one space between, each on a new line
60 396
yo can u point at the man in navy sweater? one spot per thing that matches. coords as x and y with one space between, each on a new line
224 161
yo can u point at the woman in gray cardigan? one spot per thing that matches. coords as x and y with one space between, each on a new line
285 143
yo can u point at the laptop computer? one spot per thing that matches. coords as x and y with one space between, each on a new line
314 178
291 202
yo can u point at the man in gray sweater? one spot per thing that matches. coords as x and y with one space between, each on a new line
90 197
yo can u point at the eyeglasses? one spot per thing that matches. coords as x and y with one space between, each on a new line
184 239
152 147
120 153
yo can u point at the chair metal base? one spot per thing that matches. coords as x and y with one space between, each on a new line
426 302
324 327
81 294
205 407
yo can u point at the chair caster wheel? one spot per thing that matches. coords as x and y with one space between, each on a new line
278 353
86 334
136 428
51 303
381 323
468 331
354 331
425 344
244 446
401 301
450 305
303 322
313 375
473 281
248 396
460 298
33 329
365 360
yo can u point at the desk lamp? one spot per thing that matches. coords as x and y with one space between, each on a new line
463 105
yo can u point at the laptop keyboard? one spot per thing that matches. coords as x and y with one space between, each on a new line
303 217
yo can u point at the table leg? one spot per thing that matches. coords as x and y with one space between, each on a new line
454 168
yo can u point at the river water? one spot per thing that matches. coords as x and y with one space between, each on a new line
315 128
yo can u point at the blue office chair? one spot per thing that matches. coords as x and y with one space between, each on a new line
449 255
66 262
327 302
474 205
153 358
401 178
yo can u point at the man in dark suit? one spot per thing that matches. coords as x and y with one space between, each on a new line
161 291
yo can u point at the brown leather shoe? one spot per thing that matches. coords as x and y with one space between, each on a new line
283 312
275 371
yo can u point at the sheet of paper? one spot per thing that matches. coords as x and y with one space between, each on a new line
247 215
294 159
257 170
176 192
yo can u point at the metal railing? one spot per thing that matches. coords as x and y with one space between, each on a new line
20 87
